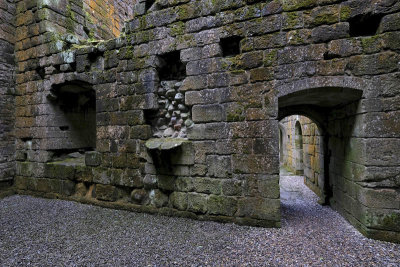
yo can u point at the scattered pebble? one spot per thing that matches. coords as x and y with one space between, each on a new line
42 232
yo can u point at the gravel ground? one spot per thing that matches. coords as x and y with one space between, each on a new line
40 232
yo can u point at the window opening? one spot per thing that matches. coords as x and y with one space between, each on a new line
230 46
365 24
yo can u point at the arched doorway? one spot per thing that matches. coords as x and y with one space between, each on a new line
298 145
324 106
303 155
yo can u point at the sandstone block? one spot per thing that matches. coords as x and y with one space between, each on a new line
219 166
259 208
197 202
106 192
208 113
179 200
207 185
221 205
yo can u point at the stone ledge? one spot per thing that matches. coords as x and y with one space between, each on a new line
165 144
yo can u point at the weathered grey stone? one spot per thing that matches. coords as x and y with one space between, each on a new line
232 187
158 198
93 159
139 196
219 166
164 143
259 208
221 205
326 33
179 200
197 202
208 113
206 185
150 181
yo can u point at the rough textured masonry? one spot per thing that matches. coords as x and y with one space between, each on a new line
179 114
7 106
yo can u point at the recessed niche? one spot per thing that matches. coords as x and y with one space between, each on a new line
230 46
172 68
365 24
75 115
149 4
173 117
41 72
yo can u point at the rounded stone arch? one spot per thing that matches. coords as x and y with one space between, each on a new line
315 113
315 98
319 82
282 141
298 145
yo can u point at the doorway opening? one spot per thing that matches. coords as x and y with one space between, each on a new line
301 157
298 146
318 139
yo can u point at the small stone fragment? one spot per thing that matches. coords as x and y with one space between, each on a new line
168 132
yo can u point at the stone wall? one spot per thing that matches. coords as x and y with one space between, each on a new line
105 18
312 158
86 19
7 41
239 66
363 168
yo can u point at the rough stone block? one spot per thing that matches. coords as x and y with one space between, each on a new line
232 187
290 5
259 208
184 184
207 185
268 186
197 202
222 205
194 83
379 198
323 15
158 198
140 132
93 158
208 113
374 64
208 131
255 164
390 22
183 155
198 170
179 200
208 96
106 192
326 33
219 166
139 196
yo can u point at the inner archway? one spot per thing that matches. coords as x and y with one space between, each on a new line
320 134
298 145
302 155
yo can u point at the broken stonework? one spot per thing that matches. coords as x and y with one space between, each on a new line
173 117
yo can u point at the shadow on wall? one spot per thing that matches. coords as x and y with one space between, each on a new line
74 118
